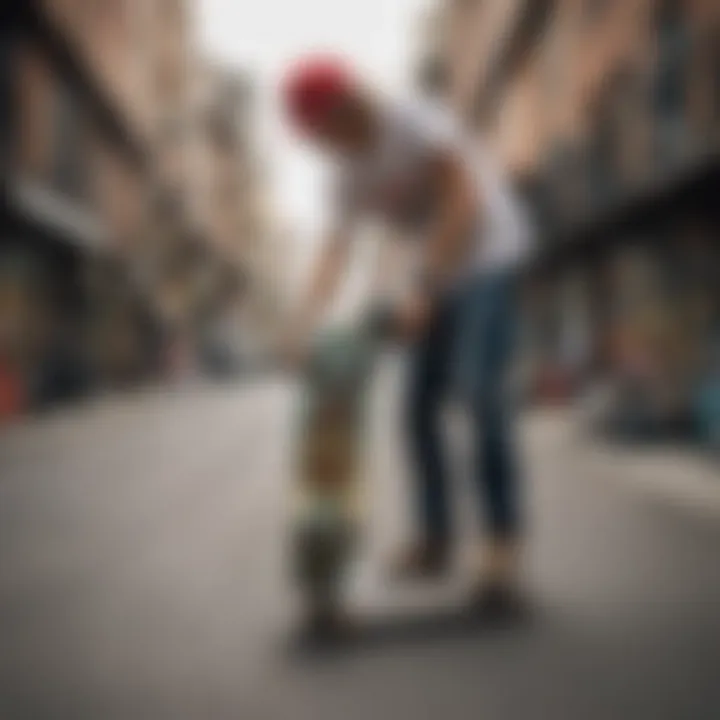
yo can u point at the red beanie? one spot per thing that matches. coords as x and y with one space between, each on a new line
313 86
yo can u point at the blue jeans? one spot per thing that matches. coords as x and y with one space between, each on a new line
467 348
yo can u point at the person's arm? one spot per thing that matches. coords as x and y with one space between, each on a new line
391 264
448 243
325 277
451 232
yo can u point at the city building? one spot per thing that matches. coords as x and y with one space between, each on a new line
607 114
71 169
107 269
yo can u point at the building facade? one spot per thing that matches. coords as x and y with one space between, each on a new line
607 113
106 266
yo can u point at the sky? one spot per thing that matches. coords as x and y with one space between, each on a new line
262 36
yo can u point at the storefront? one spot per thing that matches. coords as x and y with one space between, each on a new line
663 330
43 311
635 299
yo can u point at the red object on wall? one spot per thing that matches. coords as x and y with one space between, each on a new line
554 386
12 399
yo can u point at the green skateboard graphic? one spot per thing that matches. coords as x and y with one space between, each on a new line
328 509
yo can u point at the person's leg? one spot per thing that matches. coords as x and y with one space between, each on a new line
429 371
487 335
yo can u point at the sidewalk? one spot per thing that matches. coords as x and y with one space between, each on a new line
683 476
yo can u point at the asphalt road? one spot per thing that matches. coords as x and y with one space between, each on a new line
142 577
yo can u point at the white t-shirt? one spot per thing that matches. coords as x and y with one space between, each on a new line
391 183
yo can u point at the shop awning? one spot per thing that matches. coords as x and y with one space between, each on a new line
688 194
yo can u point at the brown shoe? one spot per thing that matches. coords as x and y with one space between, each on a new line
499 601
424 560
326 623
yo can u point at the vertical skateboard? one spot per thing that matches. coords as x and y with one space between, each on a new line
328 512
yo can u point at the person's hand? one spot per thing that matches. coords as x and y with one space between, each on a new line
413 316
295 349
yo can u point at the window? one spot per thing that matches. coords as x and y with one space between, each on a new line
593 10
674 46
669 14
69 170
6 91
715 70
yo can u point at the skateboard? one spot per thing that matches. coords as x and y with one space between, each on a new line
328 513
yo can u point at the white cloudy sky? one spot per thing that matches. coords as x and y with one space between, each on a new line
264 35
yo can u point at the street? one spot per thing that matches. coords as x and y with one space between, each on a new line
143 577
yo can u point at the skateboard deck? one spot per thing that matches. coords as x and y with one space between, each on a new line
328 508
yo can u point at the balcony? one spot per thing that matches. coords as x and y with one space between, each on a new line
529 21
642 153
672 137
580 206
47 171
69 171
